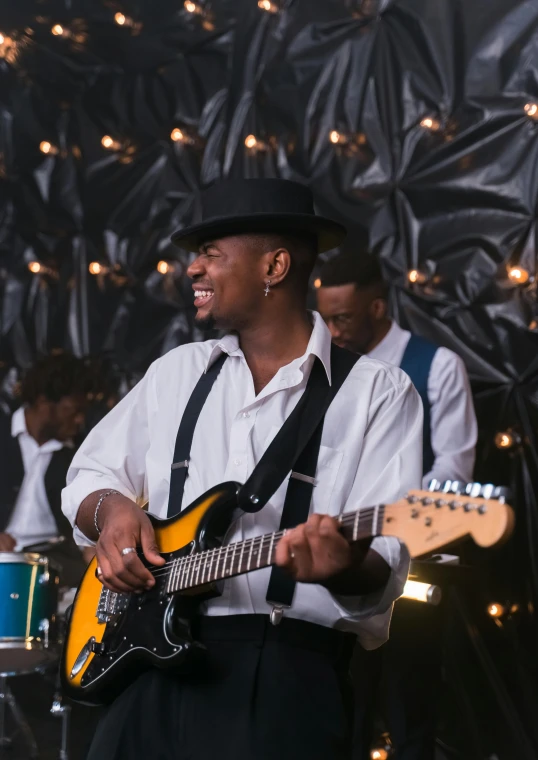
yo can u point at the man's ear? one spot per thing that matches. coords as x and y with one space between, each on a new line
278 265
378 308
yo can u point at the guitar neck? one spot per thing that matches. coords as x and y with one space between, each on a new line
253 553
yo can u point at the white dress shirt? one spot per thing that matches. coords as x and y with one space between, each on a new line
32 521
371 452
453 421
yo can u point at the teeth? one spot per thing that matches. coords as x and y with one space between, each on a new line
203 293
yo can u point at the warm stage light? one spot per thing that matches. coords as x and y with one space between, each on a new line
177 135
416 277
250 141
504 440
429 123
496 610
518 275
317 283
531 109
120 19
95 268
190 7
163 267
379 754
48 148
35 267
267 5
337 138
57 30
109 143
422 592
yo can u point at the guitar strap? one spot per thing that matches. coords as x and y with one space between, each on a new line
295 447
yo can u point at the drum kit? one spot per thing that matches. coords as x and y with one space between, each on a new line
32 614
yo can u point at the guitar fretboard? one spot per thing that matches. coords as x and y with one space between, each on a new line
253 553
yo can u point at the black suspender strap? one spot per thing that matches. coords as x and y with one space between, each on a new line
182 451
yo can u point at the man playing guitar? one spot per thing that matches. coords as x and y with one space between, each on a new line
264 691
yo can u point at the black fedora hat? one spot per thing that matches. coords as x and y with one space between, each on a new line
236 206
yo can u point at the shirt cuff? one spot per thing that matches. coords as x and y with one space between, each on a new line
82 486
359 608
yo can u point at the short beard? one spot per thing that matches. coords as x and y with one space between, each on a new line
206 323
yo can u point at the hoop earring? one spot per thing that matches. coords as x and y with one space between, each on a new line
267 286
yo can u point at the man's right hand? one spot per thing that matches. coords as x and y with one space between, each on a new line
7 542
123 524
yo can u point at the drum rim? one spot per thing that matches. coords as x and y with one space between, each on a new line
23 558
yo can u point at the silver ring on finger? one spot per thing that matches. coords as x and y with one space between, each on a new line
292 555
128 550
99 572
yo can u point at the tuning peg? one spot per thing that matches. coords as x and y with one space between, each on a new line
502 494
457 487
487 491
473 489
434 485
446 487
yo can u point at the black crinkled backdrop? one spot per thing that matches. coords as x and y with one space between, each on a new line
413 121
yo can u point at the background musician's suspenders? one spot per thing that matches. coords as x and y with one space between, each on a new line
295 447
416 362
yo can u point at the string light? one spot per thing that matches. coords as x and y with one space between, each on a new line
507 439
531 109
163 267
109 143
415 276
430 123
379 754
58 30
518 275
35 267
96 268
48 148
267 5
177 135
337 138
191 7
317 283
496 610
250 141
253 144
120 19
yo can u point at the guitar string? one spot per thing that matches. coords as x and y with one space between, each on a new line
263 541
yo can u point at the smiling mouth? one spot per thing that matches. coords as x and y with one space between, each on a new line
201 297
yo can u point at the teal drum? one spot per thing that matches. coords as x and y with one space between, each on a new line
29 600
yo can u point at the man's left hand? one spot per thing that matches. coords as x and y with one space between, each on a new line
315 551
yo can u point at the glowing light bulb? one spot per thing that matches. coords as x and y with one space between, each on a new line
95 268
531 109
518 275
379 754
177 135
416 276
335 137
48 148
57 30
250 141
267 5
109 143
120 19
190 7
504 440
317 283
163 267
35 267
429 123
496 610
422 592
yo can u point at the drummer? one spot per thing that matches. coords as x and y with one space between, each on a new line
36 448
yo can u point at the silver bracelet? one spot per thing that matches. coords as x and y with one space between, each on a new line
98 506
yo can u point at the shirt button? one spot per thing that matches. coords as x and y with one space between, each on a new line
237 462
245 415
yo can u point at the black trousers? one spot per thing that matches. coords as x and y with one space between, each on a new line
264 693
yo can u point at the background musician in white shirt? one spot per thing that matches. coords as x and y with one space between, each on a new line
283 689
406 673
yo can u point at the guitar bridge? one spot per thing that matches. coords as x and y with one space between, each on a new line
111 604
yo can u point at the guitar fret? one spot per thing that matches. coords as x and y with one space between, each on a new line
376 516
270 557
170 576
251 540
217 563
198 568
190 571
231 568
223 571
178 579
240 563
260 552
211 558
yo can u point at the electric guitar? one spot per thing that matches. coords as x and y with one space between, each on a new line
112 637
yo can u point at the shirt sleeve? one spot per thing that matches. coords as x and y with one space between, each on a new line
113 455
390 464
453 421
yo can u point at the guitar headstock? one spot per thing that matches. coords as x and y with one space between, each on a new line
428 520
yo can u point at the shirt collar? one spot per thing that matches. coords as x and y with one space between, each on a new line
389 343
18 427
319 345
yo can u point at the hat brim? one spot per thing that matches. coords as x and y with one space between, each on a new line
329 233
